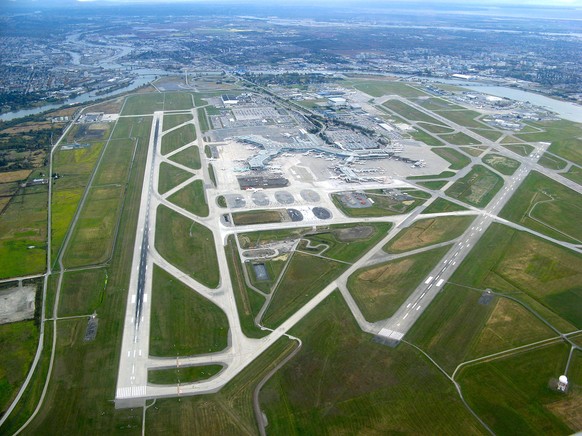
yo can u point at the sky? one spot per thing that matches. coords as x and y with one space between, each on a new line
327 2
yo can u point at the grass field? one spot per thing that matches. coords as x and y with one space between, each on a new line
228 412
512 394
436 104
546 206
23 233
378 88
191 198
408 112
552 162
78 399
437 184
32 393
187 245
381 289
465 118
173 120
142 104
171 176
82 292
456 328
189 157
18 341
178 101
474 151
459 138
504 165
248 302
183 374
441 205
428 232
305 276
257 217
574 174
435 128
178 138
529 268
426 138
476 188
443 175
384 205
521 149
492 135
183 323
457 159
76 167
341 382
203 120
349 242
564 137
92 239
116 162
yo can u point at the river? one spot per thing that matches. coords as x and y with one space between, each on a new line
145 77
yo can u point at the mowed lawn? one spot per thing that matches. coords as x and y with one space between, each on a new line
178 138
171 176
191 198
341 382
187 245
183 322
189 157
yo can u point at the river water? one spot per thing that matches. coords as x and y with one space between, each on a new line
145 77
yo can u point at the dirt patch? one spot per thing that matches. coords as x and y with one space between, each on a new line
353 233
17 304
